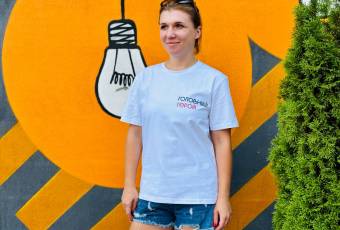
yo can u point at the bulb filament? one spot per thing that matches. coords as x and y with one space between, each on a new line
122 79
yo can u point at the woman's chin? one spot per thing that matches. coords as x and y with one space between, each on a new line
176 53
173 51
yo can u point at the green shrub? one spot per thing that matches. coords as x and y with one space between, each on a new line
304 156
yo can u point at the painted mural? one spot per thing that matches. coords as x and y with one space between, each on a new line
66 68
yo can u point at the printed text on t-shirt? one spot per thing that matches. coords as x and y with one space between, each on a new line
190 103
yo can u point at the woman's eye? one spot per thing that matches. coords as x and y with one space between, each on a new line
163 27
179 26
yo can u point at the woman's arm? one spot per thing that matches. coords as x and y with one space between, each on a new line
222 145
133 151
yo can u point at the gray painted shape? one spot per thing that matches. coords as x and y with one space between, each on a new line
7 118
21 186
261 221
262 61
90 209
251 155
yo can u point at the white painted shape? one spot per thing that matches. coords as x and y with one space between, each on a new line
109 95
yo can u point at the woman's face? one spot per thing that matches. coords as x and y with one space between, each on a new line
177 33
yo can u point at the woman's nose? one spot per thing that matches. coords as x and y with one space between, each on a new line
171 33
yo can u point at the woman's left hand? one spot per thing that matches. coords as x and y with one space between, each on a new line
222 213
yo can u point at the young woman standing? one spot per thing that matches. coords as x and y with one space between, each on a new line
180 114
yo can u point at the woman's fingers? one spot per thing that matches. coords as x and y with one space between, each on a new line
134 204
129 201
221 223
130 216
129 211
128 208
221 219
215 218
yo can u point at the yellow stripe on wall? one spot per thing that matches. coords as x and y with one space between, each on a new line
15 149
116 219
252 199
262 104
52 201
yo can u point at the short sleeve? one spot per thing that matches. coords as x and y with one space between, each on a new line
132 110
222 113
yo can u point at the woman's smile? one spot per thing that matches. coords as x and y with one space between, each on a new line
172 44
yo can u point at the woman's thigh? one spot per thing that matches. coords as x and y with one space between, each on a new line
141 226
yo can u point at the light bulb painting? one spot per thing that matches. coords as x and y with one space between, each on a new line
122 61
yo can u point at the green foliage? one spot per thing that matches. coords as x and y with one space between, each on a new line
304 156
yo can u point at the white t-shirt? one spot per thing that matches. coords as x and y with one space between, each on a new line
176 110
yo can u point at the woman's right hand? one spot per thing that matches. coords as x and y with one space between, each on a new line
129 200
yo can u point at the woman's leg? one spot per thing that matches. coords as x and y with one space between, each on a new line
140 226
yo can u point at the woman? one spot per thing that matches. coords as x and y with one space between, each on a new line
180 114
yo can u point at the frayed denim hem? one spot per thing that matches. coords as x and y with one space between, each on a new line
171 224
193 226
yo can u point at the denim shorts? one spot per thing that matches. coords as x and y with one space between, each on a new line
196 216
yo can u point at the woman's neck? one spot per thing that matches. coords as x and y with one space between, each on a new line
180 63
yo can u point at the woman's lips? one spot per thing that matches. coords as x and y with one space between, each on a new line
172 43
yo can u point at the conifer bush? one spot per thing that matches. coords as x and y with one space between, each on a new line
304 156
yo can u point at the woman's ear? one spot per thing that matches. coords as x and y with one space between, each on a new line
198 32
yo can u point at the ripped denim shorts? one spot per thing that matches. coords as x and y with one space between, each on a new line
196 216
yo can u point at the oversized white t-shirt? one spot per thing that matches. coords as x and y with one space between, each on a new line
176 110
